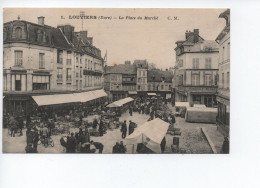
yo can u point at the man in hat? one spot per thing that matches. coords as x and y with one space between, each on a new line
116 148
100 128
124 129
45 133
130 111
131 127
35 139
122 147
72 143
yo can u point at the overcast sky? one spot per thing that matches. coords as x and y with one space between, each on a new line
125 39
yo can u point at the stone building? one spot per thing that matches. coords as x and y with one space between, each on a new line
160 83
40 60
223 96
120 81
196 70
141 84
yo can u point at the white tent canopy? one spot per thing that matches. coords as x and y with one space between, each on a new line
151 134
120 102
182 104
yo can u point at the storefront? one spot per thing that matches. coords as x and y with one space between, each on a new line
208 100
17 104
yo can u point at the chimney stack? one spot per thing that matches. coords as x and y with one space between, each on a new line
196 35
188 34
67 30
41 20
84 36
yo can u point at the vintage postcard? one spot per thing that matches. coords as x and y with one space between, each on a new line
116 81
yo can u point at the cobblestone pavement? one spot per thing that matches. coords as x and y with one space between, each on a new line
191 139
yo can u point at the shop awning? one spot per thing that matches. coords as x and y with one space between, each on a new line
151 94
90 95
120 102
84 96
99 93
132 92
45 100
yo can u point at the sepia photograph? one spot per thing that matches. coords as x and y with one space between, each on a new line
116 81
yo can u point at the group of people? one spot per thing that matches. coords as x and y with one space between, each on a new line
119 148
131 128
15 124
80 142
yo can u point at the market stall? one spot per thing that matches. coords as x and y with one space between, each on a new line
181 108
120 106
150 134
201 115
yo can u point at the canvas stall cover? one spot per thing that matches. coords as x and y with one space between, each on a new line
150 134
201 115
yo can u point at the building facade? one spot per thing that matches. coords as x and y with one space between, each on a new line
120 81
223 97
160 83
141 77
196 70
40 60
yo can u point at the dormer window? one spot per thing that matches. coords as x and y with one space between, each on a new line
18 33
39 36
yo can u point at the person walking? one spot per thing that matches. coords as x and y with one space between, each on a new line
45 133
163 144
100 128
131 111
72 143
20 124
87 136
131 127
28 121
124 129
35 139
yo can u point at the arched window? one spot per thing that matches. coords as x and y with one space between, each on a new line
18 32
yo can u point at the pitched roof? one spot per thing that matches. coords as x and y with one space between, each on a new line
120 69
157 75
54 37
